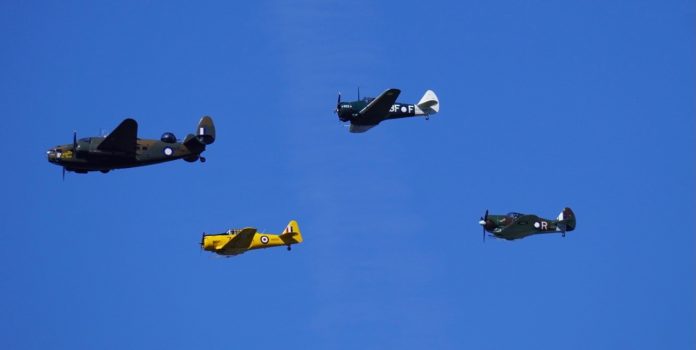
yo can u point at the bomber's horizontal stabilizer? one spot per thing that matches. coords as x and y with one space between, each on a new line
194 144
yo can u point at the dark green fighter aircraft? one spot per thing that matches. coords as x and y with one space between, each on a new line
123 149
515 225
367 113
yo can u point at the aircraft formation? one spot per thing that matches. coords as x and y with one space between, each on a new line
123 149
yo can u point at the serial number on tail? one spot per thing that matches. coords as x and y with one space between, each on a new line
406 109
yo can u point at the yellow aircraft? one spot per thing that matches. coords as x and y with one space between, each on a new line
235 242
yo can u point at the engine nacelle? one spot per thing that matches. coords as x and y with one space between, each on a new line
168 137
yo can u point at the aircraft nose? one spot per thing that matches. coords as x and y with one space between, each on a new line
204 244
52 155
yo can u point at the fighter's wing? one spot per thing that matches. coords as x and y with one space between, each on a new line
378 109
122 139
241 240
357 128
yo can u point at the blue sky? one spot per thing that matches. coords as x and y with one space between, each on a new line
587 104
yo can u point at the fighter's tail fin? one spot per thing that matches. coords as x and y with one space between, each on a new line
291 234
429 103
566 220
206 130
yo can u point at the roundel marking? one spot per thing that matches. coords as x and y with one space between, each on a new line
168 151
264 239
536 225
403 109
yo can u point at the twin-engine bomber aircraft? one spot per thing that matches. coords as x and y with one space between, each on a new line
515 225
367 113
238 241
123 149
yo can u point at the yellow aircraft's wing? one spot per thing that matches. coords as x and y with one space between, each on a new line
241 240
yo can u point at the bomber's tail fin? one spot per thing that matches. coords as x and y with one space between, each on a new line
429 103
566 220
291 234
206 130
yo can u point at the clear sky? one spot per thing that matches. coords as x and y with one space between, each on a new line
544 104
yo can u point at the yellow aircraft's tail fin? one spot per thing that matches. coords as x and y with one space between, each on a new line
292 233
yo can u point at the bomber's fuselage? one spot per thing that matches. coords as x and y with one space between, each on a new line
123 149
87 157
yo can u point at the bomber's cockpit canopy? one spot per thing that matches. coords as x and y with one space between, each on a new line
368 99
514 215
86 139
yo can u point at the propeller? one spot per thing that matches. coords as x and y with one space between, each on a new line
337 111
338 103
483 223
74 150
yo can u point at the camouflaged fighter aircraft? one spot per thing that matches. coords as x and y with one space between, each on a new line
238 241
515 225
123 149
367 113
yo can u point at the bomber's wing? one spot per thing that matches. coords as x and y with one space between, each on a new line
378 109
241 240
122 139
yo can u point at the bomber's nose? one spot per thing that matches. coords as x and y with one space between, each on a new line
52 155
